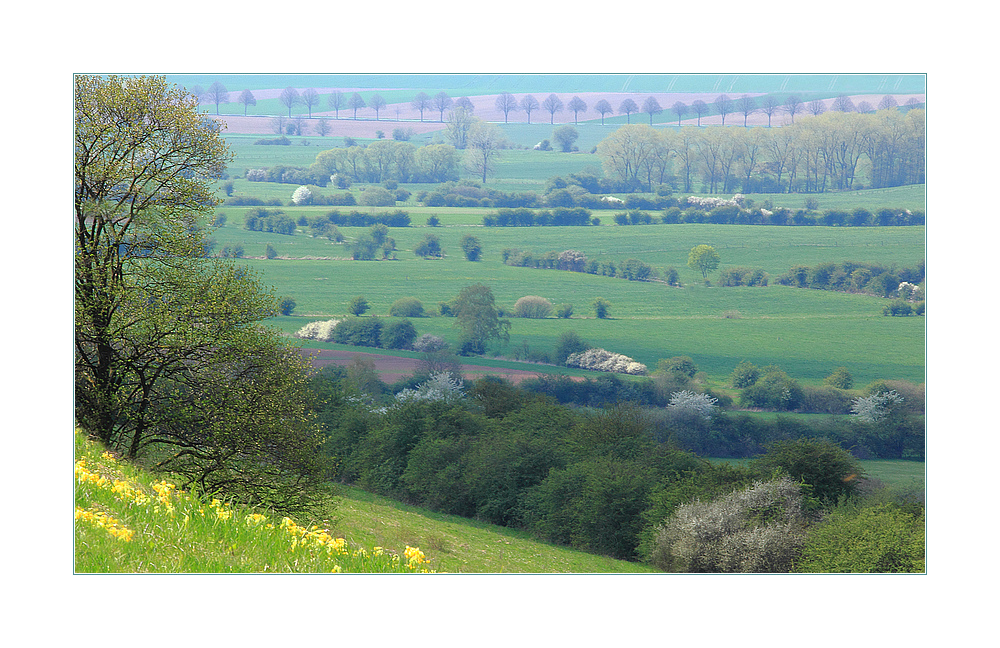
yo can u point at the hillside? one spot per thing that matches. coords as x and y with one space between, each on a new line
128 521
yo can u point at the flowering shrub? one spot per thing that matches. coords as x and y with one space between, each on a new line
322 330
875 408
427 343
533 307
710 202
689 403
601 360
302 196
440 387
257 175
760 529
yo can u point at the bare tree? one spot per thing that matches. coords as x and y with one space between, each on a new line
724 105
377 103
747 105
421 103
466 104
506 103
217 94
310 98
300 124
278 124
628 107
843 103
552 104
484 143
290 97
322 127
528 103
888 102
336 101
700 109
816 107
651 107
680 109
793 105
769 105
577 105
247 99
865 107
355 103
604 108
441 102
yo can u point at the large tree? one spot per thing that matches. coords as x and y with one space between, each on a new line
478 320
577 105
724 105
421 103
529 103
377 103
310 98
506 103
747 106
680 109
290 97
168 351
336 101
355 103
604 107
247 99
552 104
651 107
624 152
700 108
484 143
793 105
628 107
441 103
704 259
769 105
218 94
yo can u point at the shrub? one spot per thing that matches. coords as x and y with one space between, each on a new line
672 277
898 308
533 307
286 305
841 378
774 390
564 311
398 335
359 331
270 252
689 404
601 307
744 375
407 307
680 365
358 306
429 247
302 196
428 343
875 539
471 247
568 344
602 360
829 470
759 529
322 330
378 197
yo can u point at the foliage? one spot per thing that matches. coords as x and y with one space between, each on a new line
322 330
774 390
477 319
830 471
471 247
877 407
704 259
600 360
302 196
533 306
439 387
429 247
407 307
286 305
759 529
569 343
399 334
841 378
358 306
867 539
601 307
359 331
686 403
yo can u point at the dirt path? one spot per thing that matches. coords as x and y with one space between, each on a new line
391 368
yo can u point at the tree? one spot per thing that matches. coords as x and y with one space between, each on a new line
628 107
377 103
247 99
552 104
577 105
747 106
290 97
816 107
704 259
700 108
604 108
466 104
651 107
529 103
429 247
724 105
484 142
829 470
478 320
769 105
441 102
421 103
564 136
601 307
883 538
460 123
888 102
471 247
792 106
163 332
310 98
624 152
506 103
217 94
843 103
358 306
322 127
680 109
336 101
355 103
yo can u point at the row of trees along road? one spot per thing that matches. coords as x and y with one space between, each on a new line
834 150
171 363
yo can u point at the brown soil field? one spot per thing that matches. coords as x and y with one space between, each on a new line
403 115
391 368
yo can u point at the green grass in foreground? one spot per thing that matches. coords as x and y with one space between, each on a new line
130 522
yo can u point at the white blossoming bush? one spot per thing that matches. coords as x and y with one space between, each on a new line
686 403
322 331
757 530
440 387
302 196
612 199
875 408
600 360
710 202
906 290
256 175
428 343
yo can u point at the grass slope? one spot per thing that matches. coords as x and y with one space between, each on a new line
128 521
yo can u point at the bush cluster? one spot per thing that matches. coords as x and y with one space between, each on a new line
524 217
850 276
397 218
743 277
259 219
576 261
596 359
362 331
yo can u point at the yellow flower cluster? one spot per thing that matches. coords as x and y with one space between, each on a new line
127 491
104 521
222 511
164 492
414 557
312 537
